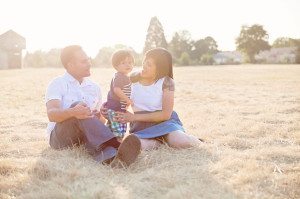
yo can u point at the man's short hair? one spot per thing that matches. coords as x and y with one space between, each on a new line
67 54
120 55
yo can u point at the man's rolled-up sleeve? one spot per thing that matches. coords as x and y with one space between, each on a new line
54 90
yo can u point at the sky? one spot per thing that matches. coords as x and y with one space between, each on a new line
94 24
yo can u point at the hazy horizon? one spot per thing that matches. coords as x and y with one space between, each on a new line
96 24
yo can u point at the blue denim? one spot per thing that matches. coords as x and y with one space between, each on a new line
98 140
154 130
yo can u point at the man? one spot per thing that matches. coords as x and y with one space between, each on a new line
73 103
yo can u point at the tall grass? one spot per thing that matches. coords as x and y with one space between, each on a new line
248 115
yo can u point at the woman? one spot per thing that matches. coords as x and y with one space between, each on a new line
153 95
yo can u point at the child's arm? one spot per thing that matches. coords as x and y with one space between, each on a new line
102 119
99 116
118 91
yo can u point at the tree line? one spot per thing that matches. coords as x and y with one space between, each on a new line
185 50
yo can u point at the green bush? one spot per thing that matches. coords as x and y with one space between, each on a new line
207 59
184 59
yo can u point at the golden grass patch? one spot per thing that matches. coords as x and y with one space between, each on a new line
249 116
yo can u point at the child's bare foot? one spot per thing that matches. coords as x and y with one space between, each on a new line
119 139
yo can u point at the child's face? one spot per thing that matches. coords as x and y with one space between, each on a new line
125 66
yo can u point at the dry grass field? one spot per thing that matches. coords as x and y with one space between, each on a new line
249 116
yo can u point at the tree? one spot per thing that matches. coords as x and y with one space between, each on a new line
184 59
103 57
155 35
295 42
181 42
282 42
297 61
212 45
36 59
252 40
207 59
199 48
204 46
52 58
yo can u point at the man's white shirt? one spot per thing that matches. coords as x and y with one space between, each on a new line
68 90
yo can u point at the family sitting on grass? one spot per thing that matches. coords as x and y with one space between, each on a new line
77 114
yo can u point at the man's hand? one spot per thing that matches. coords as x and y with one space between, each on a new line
82 111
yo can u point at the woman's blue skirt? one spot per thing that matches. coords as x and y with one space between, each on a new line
153 130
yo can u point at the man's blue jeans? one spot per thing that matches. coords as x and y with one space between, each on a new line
98 140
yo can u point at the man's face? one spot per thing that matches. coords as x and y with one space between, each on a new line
80 66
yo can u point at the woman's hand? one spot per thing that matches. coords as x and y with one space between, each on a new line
124 117
135 76
104 110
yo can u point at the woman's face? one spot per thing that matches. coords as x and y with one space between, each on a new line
149 69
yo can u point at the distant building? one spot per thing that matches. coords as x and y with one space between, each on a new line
228 57
277 55
11 46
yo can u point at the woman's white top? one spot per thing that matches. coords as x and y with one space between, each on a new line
147 98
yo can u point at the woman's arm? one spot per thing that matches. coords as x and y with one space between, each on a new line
167 106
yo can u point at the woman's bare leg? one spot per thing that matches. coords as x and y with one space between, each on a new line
180 140
149 144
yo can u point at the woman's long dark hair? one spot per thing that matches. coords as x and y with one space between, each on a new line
163 61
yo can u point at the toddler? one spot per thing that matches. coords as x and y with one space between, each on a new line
118 98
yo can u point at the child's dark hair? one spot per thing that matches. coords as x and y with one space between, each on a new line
120 55
163 61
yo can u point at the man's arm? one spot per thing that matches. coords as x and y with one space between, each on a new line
57 114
